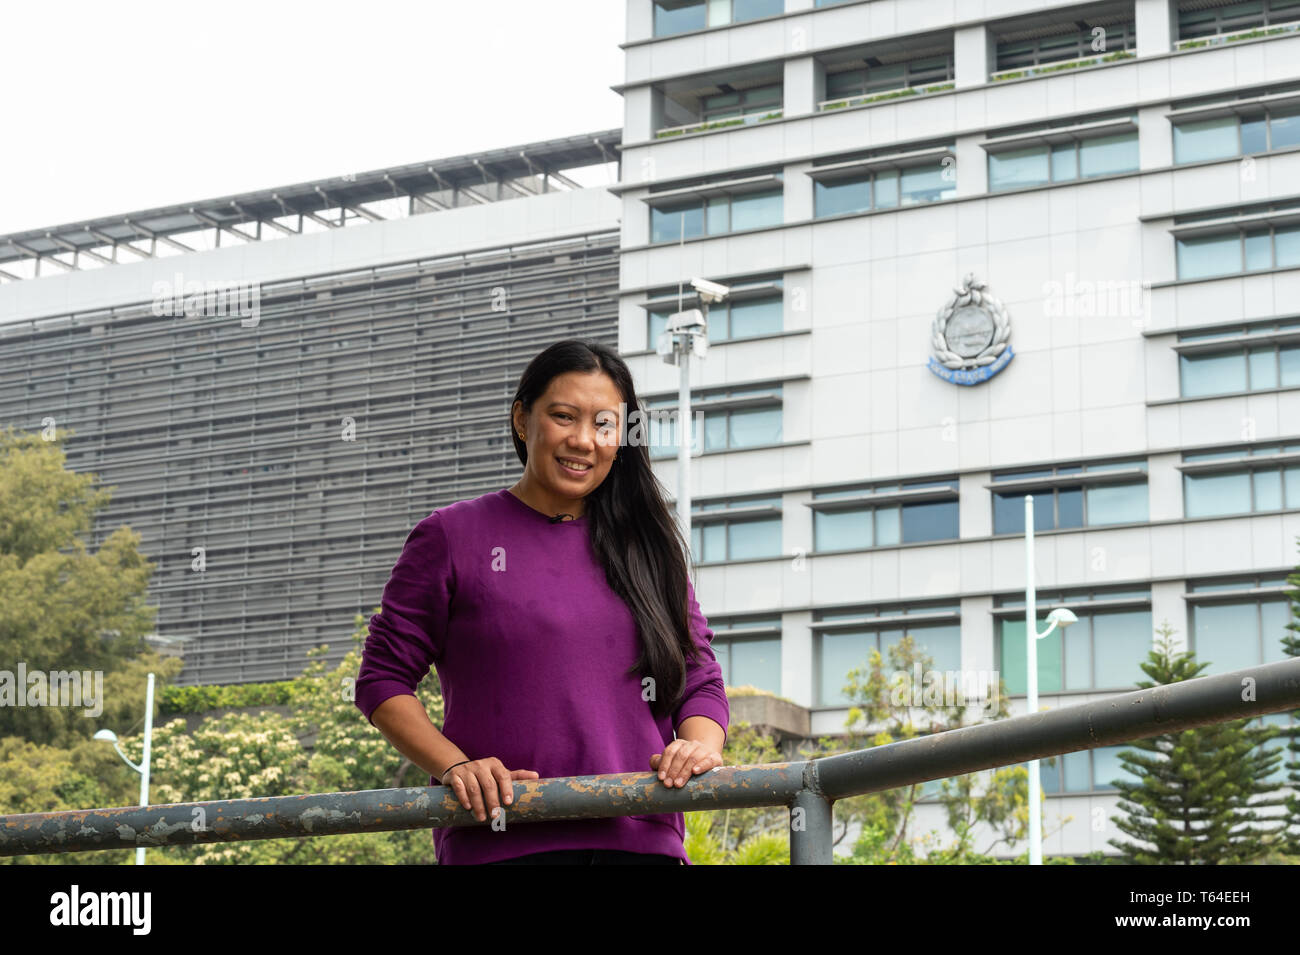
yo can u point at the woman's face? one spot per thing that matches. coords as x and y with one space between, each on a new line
577 419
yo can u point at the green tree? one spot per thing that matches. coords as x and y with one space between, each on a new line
1290 842
727 829
761 848
889 707
323 744
61 608
87 774
1198 790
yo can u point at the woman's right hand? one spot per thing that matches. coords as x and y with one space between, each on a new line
482 785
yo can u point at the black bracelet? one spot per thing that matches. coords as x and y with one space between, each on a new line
451 767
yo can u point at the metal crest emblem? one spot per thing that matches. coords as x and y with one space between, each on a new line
970 335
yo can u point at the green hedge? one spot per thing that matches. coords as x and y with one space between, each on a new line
888 94
176 700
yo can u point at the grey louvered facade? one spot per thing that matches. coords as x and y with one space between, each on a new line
299 453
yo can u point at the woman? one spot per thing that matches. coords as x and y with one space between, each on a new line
563 626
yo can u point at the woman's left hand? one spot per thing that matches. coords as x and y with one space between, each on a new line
683 758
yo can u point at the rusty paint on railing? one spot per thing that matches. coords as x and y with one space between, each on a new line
378 810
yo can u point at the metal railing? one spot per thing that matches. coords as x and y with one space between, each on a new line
1056 66
1248 33
808 788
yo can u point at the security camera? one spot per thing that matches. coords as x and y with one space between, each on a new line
710 292
691 320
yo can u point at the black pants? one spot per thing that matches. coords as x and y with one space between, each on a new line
589 857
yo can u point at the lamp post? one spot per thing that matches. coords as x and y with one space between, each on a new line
143 768
685 334
1059 617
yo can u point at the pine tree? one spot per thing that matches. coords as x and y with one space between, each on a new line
1197 792
1291 646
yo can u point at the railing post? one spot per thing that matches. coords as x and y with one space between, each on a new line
810 829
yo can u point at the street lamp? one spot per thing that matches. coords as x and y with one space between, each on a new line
143 767
1057 618
685 334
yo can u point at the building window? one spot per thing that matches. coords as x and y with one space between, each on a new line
1241 490
758 99
1102 651
675 16
1062 162
749 652
1071 44
730 320
893 521
1232 633
720 534
1231 17
843 87
680 16
883 189
1240 367
1285 721
1065 496
1089 770
698 103
1241 250
1221 137
853 634
742 10
732 419
715 215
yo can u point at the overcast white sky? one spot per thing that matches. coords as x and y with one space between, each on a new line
111 107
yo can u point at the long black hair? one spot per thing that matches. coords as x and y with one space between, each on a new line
632 532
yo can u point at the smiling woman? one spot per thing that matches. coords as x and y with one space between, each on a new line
563 626
578 428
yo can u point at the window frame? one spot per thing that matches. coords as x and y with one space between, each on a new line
929 614
731 631
1224 24
1067 476
704 5
1079 46
870 498
1238 113
885 167
1246 465
707 199
912 78
1049 141
1274 337
658 316
1254 591
1086 610
732 512
1050 765
715 402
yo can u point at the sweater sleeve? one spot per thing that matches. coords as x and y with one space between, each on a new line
704 693
410 631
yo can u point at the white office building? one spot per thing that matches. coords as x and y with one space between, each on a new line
1111 189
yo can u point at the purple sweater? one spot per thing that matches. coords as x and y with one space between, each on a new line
531 648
